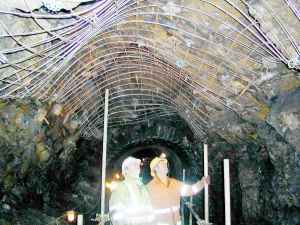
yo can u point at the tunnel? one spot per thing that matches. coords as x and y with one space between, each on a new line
181 77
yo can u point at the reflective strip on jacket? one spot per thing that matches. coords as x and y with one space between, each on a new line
130 205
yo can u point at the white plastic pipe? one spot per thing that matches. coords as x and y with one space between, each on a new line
206 206
227 192
80 219
104 154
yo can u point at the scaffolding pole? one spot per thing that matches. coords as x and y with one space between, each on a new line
227 192
182 208
206 206
191 214
80 219
104 155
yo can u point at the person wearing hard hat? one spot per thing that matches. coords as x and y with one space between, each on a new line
130 203
165 192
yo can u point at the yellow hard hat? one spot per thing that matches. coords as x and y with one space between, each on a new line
154 162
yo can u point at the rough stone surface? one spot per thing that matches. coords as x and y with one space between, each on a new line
285 117
36 158
202 65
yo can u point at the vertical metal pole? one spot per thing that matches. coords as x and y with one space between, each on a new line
191 215
104 154
206 206
182 209
227 192
80 219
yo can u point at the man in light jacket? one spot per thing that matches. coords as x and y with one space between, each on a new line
165 192
130 201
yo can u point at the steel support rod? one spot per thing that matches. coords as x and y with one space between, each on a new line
191 214
182 208
206 206
227 192
80 219
104 154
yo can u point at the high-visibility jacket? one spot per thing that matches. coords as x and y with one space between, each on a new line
165 200
130 204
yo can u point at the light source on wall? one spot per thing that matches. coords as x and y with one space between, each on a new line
71 216
117 176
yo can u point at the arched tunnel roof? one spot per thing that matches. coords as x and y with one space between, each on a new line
196 59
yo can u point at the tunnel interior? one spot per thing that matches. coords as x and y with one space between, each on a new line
180 74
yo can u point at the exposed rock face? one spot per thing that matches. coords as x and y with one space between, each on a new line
228 69
52 6
264 162
264 179
285 117
278 172
269 178
218 150
37 158
42 169
283 147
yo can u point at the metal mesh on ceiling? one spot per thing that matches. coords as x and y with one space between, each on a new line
158 58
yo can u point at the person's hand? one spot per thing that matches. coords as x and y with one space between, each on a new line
206 180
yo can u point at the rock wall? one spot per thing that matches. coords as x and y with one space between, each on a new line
265 162
42 168
38 160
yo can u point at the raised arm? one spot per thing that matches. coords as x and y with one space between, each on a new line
189 190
